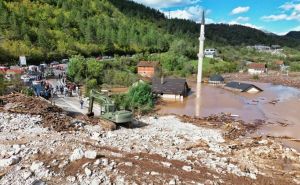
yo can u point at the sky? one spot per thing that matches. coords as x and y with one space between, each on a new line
276 16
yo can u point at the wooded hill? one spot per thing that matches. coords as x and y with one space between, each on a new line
46 30
294 34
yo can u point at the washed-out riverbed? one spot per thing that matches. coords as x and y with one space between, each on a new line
282 116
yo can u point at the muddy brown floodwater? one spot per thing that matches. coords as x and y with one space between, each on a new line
278 105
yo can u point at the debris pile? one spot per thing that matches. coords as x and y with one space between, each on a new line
231 128
159 150
52 116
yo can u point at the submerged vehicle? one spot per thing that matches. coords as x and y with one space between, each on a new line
108 109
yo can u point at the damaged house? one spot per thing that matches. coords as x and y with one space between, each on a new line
170 88
243 87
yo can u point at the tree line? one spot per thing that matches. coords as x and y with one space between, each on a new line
46 30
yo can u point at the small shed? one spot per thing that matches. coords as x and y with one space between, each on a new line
170 88
216 79
243 87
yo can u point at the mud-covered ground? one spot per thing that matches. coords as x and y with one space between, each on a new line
158 150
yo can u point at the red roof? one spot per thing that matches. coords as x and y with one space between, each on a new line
257 66
147 64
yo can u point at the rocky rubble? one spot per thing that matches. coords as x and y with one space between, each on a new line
163 150
50 116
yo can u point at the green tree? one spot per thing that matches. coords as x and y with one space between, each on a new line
77 69
140 97
95 69
90 84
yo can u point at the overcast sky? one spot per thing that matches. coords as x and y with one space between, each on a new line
277 16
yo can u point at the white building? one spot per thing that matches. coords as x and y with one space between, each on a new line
257 68
210 53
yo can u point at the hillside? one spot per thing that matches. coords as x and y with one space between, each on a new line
223 34
294 34
46 30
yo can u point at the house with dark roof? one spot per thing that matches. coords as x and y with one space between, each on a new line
242 87
216 79
257 68
170 88
147 68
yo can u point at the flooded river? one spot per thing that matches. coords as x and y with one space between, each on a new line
249 107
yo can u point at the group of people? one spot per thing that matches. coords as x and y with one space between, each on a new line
62 89
61 76
68 89
65 90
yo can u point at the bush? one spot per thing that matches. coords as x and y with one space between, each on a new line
27 91
295 66
255 77
140 98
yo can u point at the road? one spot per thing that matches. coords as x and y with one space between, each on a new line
72 104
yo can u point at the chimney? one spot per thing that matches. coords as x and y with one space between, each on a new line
162 79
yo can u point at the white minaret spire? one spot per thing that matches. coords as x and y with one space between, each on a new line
201 49
200 63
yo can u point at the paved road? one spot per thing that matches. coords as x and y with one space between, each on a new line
72 104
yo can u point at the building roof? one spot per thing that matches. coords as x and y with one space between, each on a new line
216 77
257 66
147 64
169 86
243 87
276 46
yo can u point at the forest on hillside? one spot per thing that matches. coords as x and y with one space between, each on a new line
46 30
294 35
